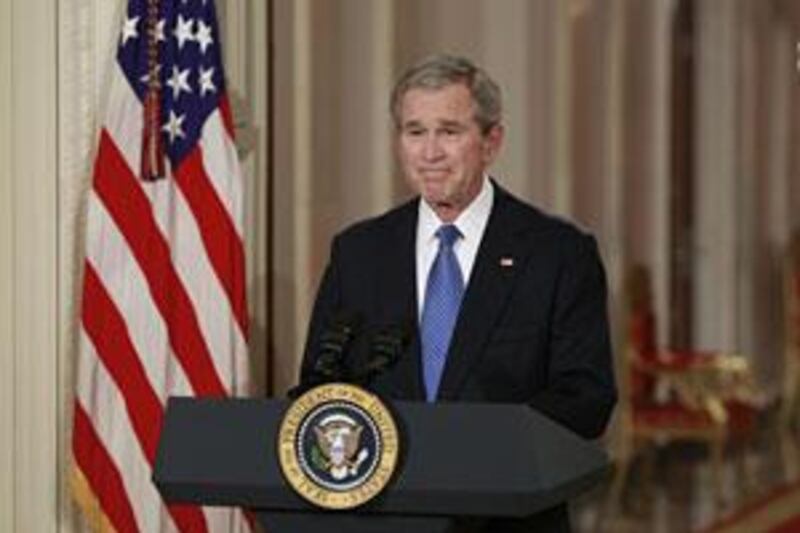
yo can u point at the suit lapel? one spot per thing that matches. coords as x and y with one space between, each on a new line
500 257
398 299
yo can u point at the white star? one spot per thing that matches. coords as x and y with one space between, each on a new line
183 31
173 126
146 78
160 30
203 36
129 29
179 81
206 81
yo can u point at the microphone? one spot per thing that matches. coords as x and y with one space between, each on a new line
387 344
333 345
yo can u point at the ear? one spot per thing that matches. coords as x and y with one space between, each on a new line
396 149
492 142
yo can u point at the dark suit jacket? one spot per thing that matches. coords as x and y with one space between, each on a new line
534 332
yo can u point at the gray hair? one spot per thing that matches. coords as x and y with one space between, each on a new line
439 71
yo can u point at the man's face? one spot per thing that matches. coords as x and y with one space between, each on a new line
441 148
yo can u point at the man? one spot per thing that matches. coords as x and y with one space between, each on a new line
507 304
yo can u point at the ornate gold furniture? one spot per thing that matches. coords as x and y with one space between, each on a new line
675 395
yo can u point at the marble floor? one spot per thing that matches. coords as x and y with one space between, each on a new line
671 488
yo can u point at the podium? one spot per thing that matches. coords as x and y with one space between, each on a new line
457 459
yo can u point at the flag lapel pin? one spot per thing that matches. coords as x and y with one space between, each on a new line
506 262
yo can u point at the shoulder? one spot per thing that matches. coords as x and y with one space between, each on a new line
555 244
538 223
380 229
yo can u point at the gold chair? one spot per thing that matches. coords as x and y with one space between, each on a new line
669 396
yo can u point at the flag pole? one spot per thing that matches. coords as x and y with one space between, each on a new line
152 143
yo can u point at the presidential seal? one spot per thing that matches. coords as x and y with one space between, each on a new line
338 446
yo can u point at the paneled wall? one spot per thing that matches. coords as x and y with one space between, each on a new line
747 99
54 68
29 291
7 356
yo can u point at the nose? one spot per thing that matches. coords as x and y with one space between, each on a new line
432 150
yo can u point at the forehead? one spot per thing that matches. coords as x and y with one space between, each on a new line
448 103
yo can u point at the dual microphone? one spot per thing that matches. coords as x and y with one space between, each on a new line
351 353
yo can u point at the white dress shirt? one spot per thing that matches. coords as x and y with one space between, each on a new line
471 223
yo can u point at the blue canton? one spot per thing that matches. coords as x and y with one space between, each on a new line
190 67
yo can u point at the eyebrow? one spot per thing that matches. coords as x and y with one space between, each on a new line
441 124
452 124
411 124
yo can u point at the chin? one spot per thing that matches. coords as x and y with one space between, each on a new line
435 189
436 198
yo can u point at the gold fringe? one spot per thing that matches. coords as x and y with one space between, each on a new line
96 519
88 503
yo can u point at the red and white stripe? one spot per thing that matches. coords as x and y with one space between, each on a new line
163 310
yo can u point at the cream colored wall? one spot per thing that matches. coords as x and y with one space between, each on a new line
246 40
29 291
54 66
8 351
716 200
744 84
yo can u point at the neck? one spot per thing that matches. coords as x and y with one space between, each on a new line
447 213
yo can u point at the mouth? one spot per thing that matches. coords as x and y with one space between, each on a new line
434 172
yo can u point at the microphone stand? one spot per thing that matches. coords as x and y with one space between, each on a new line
387 344
334 344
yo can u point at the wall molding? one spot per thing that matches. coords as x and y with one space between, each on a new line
7 226
29 245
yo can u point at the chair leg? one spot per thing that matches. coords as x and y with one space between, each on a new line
791 395
746 475
649 466
716 469
614 499
789 453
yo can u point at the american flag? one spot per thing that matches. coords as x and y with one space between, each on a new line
163 308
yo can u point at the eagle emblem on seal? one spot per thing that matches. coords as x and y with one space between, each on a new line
338 446
338 438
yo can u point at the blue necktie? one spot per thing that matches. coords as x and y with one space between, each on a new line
439 312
